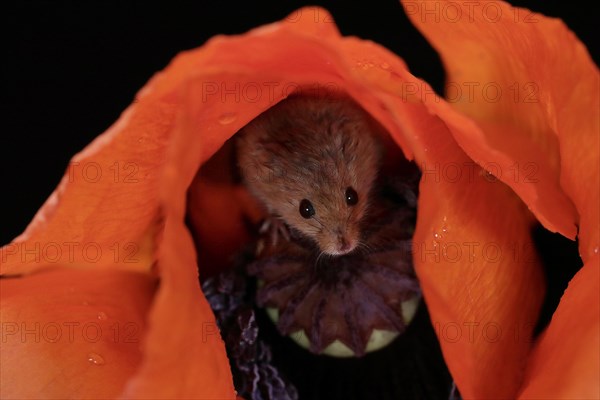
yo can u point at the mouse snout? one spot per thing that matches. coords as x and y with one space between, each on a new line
344 243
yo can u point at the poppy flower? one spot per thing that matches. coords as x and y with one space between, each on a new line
100 294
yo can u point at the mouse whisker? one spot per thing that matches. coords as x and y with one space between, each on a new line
323 226
364 248
350 214
317 229
316 219
320 257
315 226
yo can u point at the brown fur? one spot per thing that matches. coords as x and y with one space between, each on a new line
313 148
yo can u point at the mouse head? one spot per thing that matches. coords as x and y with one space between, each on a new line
315 162
332 208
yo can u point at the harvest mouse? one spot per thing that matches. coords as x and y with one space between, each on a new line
312 161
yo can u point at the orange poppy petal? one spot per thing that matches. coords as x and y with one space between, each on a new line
184 355
198 103
481 280
378 80
474 255
533 89
477 267
219 217
103 212
72 334
565 362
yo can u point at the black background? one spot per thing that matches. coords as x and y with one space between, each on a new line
74 67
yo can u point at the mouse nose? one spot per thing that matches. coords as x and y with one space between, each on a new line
344 244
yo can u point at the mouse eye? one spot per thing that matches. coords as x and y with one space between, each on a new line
351 196
306 209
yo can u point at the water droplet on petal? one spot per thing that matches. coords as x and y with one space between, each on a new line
385 65
227 118
596 249
102 316
95 359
